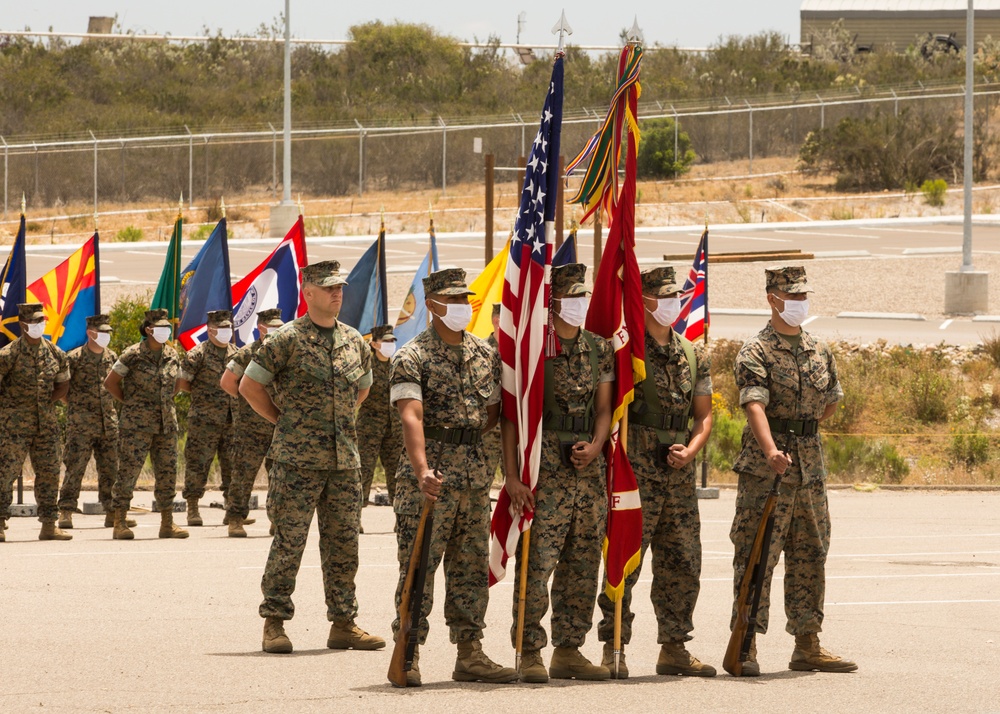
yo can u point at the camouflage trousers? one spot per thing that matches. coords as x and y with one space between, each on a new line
494 455
204 441
460 536
567 534
250 451
671 527
802 531
132 449
80 444
383 442
44 452
295 494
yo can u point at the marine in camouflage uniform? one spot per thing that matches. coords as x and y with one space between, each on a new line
253 432
788 384
210 419
491 439
34 374
570 501
143 380
91 422
319 369
380 436
662 446
446 384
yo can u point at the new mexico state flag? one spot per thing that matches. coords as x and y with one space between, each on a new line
489 289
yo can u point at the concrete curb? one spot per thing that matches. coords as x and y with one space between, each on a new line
883 316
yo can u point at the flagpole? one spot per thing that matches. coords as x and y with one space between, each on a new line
522 597
704 453
97 268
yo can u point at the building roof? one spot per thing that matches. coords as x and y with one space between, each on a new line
896 5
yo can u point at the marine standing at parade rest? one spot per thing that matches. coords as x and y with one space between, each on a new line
380 436
491 439
446 385
570 500
668 424
34 375
91 422
143 380
788 384
320 371
253 432
210 419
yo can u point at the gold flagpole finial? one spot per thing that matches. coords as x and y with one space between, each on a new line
222 206
23 203
573 225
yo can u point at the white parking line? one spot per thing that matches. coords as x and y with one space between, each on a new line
907 602
944 325
809 319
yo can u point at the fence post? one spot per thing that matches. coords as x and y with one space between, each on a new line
361 158
822 113
521 119
444 156
191 204
490 164
35 196
95 168
729 129
895 103
274 161
676 120
750 140
190 163
124 195
5 153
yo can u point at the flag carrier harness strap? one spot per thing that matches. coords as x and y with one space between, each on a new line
670 429
567 427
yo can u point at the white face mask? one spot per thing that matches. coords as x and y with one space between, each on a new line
456 317
573 310
161 334
103 339
387 349
667 310
795 312
224 335
35 329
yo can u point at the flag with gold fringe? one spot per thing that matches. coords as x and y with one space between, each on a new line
616 313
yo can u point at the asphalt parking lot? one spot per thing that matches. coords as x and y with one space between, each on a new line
95 625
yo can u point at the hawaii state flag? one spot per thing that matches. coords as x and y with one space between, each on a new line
277 282
205 287
70 293
693 320
13 282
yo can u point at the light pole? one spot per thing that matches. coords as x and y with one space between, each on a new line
284 215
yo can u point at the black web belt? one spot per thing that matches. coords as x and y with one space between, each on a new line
453 436
798 427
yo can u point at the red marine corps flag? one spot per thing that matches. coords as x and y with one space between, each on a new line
616 313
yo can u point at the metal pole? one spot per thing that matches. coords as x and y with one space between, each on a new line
969 88
750 139
286 193
598 247
35 196
274 161
5 156
490 164
191 198
895 103
190 166
523 152
676 122
444 156
95 168
123 170
560 202
361 158
822 113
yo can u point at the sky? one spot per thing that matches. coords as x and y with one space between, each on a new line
684 24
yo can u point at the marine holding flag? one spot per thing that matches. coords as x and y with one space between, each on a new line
662 445
570 502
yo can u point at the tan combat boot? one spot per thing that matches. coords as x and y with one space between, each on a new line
167 527
50 532
109 519
413 673
275 639
236 528
532 668
808 656
121 531
750 667
569 663
271 529
675 659
65 519
3 527
345 635
472 665
608 660
193 516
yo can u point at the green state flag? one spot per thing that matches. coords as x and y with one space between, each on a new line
168 290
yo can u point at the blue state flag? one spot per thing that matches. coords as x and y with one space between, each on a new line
13 283
365 304
205 287
413 316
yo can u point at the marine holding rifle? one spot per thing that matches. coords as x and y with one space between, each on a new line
788 384
446 385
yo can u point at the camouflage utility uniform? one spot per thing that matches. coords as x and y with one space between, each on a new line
795 388
456 385
28 374
491 439
380 435
210 419
91 427
316 385
670 522
570 504
147 422
252 440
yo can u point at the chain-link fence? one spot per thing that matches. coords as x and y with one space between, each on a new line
351 159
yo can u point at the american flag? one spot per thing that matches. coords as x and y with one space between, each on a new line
693 320
524 317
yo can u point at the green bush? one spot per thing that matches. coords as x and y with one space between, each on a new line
202 232
724 444
929 394
934 191
127 314
971 449
656 158
129 234
875 461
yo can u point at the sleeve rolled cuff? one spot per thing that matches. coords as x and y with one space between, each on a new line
405 390
835 395
703 388
258 374
63 376
606 377
494 397
120 369
366 380
185 375
235 369
755 394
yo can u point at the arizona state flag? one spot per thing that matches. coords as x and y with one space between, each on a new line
70 293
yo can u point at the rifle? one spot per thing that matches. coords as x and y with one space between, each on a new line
748 600
412 597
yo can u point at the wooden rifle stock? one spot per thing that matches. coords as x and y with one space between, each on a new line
412 597
748 599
